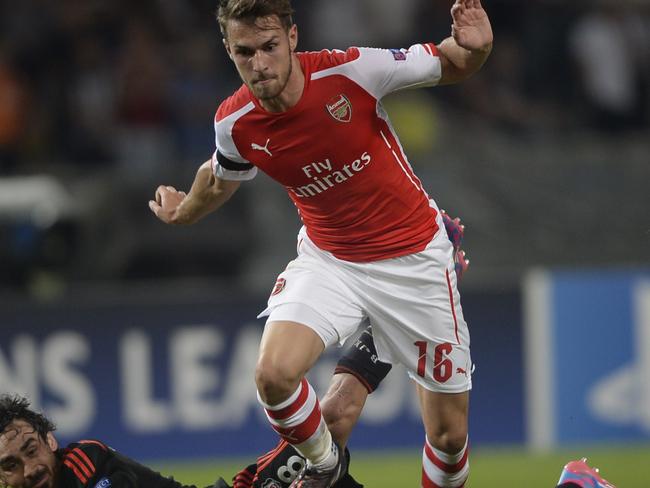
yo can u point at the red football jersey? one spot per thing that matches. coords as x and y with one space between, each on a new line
336 152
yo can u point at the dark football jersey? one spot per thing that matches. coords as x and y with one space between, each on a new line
92 464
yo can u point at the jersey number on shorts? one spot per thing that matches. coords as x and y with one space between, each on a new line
442 367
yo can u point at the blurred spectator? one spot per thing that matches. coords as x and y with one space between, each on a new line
144 142
193 96
391 25
610 46
348 21
13 106
499 93
92 103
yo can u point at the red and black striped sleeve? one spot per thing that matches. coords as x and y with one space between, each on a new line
92 464
80 460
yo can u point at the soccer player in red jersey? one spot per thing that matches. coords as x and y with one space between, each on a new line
371 247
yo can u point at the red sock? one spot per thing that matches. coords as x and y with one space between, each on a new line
442 470
299 421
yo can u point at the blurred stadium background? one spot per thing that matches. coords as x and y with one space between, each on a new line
145 335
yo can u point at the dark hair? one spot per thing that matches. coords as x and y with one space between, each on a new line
15 407
253 9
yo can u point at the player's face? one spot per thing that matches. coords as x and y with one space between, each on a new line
262 52
26 459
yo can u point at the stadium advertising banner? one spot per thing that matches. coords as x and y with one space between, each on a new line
588 357
162 380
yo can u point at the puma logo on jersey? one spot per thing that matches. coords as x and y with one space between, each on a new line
264 148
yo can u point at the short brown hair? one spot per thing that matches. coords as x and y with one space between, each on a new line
253 9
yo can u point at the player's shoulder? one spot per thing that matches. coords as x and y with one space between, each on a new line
90 446
81 459
329 58
355 60
233 103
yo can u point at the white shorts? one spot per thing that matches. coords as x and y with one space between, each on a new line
412 303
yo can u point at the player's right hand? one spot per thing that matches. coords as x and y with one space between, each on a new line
166 203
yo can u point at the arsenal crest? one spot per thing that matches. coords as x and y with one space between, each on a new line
340 108
279 286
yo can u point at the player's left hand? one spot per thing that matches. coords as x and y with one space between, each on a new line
471 28
461 263
455 230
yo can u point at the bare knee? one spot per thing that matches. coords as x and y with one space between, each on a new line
445 419
287 351
449 440
276 380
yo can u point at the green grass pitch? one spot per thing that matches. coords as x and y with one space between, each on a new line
625 466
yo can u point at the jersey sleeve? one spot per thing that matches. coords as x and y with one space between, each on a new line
227 162
383 71
92 464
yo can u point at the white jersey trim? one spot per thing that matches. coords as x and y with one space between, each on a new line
410 173
380 72
227 148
